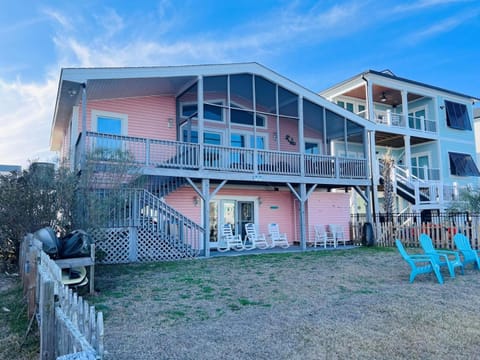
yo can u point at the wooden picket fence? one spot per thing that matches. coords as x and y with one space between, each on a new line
69 327
442 234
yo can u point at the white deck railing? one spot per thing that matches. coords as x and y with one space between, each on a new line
182 155
398 119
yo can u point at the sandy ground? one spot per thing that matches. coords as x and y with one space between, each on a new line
355 304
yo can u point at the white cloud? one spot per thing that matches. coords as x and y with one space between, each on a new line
446 25
25 120
423 4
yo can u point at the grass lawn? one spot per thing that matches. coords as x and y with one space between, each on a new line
355 304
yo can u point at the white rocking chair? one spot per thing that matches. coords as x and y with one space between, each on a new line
229 241
277 238
255 240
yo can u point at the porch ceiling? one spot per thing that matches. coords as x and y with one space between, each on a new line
393 96
396 140
119 88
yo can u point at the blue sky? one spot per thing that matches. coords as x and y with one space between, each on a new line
315 43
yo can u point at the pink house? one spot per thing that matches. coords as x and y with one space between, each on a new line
259 149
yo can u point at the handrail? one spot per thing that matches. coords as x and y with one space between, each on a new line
185 155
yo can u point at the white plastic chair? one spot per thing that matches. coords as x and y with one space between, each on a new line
256 240
230 241
277 238
337 232
323 237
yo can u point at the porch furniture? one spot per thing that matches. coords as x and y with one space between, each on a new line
469 255
230 241
254 240
337 233
420 264
323 237
448 258
277 238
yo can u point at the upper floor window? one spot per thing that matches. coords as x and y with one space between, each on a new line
457 116
462 165
213 111
111 124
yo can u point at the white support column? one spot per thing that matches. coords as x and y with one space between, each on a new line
408 155
84 127
301 139
405 107
200 115
369 103
206 215
303 232
375 172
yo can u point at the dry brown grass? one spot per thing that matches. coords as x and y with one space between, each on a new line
355 304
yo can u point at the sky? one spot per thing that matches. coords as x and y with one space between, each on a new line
314 43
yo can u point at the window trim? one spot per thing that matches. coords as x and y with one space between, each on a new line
108 114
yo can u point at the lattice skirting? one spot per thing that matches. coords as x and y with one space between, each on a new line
125 245
113 246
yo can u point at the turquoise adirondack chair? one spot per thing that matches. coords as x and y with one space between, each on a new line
448 258
470 256
420 264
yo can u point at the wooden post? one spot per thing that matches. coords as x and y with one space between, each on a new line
47 320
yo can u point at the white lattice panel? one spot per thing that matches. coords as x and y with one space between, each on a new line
113 246
153 247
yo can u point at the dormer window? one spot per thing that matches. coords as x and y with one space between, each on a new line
457 116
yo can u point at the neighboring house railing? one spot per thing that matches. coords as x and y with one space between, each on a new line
182 155
419 123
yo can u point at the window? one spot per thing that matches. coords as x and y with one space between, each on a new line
462 165
246 118
312 148
111 125
213 112
208 137
457 116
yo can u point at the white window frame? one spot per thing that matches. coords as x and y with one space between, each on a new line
315 141
118 116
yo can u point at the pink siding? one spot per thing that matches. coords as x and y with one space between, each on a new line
328 208
277 207
147 116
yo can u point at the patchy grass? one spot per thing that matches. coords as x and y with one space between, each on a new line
14 323
355 304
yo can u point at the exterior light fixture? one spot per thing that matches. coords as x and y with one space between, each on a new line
290 139
383 98
72 92
195 200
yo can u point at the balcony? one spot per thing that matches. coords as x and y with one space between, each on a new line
420 123
226 162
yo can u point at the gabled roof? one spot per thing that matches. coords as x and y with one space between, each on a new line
104 83
388 74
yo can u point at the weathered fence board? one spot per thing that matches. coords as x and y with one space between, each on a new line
69 327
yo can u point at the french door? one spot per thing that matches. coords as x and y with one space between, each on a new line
237 213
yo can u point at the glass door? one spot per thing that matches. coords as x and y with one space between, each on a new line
245 215
420 165
230 211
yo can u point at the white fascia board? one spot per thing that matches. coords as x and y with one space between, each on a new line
343 88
